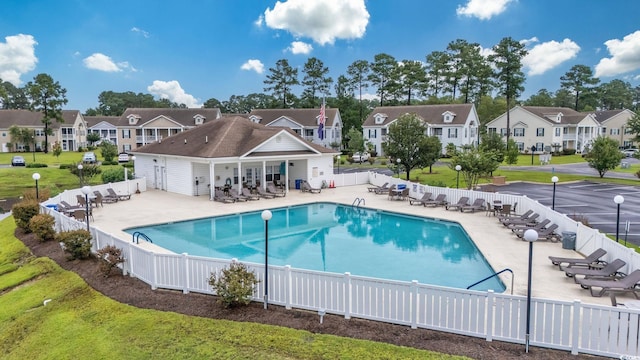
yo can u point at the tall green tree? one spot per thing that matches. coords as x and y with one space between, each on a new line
476 164
47 97
493 142
563 98
358 76
542 98
356 141
616 94
604 155
437 67
458 63
24 136
489 108
633 125
108 150
12 97
507 59
315 81
383 70
579 80
111 103
407 141
412 79
280 80
349 108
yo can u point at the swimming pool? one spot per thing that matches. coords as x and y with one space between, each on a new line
337 238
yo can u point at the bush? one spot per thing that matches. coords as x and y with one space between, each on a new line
110 162
67 166
234 285
113 175
30 194
42 226
568 151
109 258
23 212
372 160
36 165
76 242
383 162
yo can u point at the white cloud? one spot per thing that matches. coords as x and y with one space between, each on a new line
546 56
253 65
625 56
527 42
324 21
259 21
173 91
17 57
101 62
140 31
483 9
299 47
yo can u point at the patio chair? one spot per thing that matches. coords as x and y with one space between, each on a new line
509 216
425 197
544 234
264 194
99 200
505 211
120 197
463 201
391 191
277 192
375 189
247 193
306 187
440 200
528 221
610 270
81 215
69 207
521 228
627 283
478 204
108 198
382 189
233 193
219 195
589 261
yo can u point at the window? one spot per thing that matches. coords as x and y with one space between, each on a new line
628 130
437 132
268 173
520 146
558 131
383 131
492 130
453 133
540 132
308 132
126 134
372 133
39 132
126 147
518 132
604 131
235 176
503 131
565 131
539 146
465 133
627 144
614 132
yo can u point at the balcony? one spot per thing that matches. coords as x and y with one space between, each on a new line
148 139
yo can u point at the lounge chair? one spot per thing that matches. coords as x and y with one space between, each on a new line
518 229
502 217
247 193
219 195
610 270
277 192
306 187
120 197
528 221
233 193
627 283
440 200
264 194
374 189
464 201
382 189
591 259
545 234
425 197
478 204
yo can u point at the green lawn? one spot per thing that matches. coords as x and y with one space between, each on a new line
80 323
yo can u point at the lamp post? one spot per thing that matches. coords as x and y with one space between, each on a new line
36 177
398 161
533 149
618 199
266 216
339 159
530 236
458 168
86 190
133 160
554 180
80 173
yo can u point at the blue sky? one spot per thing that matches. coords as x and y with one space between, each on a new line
191 51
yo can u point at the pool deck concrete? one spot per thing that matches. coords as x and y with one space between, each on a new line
500 247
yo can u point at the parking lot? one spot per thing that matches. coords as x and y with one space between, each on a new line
593 201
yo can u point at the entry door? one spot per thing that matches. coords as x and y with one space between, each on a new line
253 176
159 176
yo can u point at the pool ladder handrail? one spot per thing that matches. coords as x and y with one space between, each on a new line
136 237
357 201
493 275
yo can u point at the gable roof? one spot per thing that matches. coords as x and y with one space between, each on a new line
230 136
184 117
33 119
304 117
432 114
604 115
569 116
95 120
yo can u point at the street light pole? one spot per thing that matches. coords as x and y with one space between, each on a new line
398 161
80 173
266 216
86 190
533 149
530 236
618 199
339 159
458 168
36 177
554 180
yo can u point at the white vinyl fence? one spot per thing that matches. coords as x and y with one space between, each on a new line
571 326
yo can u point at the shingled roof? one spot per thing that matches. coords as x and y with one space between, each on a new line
569 116
182 116
33 119
432 114
604 115
304 117
95 120
230 136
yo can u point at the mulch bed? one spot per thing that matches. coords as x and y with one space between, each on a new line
129 290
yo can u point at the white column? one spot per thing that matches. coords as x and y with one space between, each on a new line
212 177
239 187
263 178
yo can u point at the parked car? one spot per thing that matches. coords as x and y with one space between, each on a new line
123 157
360 157
17 161
89 157
629 152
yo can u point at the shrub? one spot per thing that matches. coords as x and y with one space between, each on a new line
234 285
42 226
110 162
76 242
67 166
30 194
23 212
109 257
383 162
638 174
36 165
113 175
568 151
372 160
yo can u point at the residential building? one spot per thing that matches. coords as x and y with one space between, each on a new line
232 151
305 123
614 126
71 134
452 123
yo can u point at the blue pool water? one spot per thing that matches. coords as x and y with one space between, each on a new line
337 238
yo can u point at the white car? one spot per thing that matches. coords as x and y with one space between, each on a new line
360 157
630 152
89 157
123 157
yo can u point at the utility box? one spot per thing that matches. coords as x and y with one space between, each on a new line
624 165
568 240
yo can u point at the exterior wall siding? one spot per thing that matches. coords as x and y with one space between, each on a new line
179 176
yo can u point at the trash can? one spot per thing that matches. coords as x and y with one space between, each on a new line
568 240
298 184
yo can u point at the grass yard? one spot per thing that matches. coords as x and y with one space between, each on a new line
80 323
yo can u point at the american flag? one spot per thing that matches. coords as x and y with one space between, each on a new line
321 122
